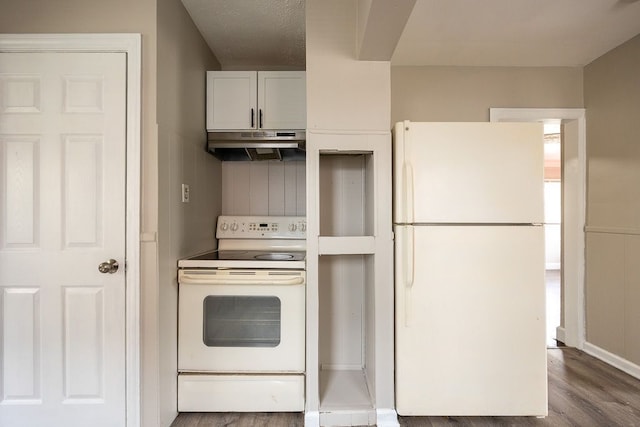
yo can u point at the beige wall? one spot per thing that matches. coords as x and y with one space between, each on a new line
342 92
183 229
43 16
466 93
612 101
183 59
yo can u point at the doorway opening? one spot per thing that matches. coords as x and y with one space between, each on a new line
573 201
552 228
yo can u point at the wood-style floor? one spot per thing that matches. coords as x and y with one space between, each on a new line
583 392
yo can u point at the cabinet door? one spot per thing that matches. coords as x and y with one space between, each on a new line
231 100
282 100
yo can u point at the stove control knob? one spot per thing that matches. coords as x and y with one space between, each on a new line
303 226
234 226
293 227
224 226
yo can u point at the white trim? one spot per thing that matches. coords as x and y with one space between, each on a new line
312 419
348 417
612 230
348 132
535 114
386 417
612 359
560 334
131 44
574 310
341 367
128 43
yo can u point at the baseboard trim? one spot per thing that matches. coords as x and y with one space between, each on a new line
612 359
312 419
387 418
561 334
348 417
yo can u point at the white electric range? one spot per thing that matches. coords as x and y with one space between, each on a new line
241 318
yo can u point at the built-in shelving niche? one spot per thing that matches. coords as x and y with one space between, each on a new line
350 278
346 193
345 278
346 351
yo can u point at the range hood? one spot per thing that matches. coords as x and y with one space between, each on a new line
257 145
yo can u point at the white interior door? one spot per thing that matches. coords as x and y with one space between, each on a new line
62 213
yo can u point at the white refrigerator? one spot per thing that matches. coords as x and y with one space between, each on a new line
469 269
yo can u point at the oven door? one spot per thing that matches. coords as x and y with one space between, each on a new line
237 321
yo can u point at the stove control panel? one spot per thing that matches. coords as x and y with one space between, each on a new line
261 227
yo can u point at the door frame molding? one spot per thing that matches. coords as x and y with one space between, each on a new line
574 331
131 45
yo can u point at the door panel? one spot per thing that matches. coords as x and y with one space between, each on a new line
232 100
469 173
282 100
21 331
20 162
470 326
62 212
83 196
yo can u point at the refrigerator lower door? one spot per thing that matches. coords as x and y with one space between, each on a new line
470 321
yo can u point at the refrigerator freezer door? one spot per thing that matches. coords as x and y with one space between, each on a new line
468 173
470 325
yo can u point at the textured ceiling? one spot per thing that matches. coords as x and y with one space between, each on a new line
252 34
270 34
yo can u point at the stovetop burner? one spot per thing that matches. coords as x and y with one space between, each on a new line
275 257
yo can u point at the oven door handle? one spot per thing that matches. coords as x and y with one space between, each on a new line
239 280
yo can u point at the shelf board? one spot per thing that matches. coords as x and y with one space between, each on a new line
346 245
344 390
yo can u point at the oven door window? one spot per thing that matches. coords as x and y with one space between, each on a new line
242 321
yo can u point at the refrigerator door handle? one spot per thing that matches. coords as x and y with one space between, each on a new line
409 258
409 271
408 193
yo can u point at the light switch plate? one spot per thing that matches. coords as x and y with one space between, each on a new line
186 195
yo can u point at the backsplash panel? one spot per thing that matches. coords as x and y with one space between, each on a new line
264 188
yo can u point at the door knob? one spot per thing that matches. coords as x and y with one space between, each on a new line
110 266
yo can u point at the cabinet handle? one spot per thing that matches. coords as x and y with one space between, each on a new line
252 120
260 126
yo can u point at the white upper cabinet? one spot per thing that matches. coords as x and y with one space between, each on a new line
238 100
282 100
231 100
